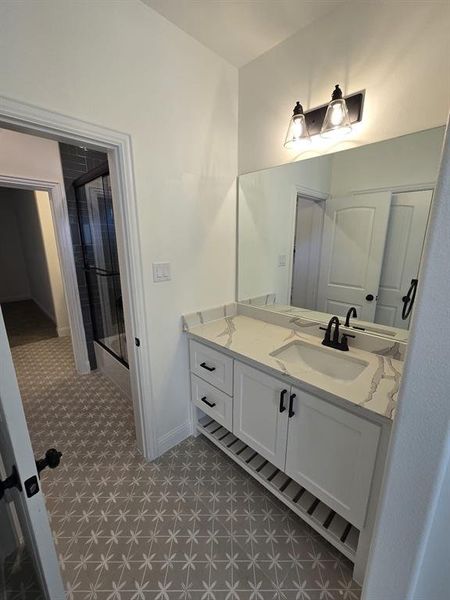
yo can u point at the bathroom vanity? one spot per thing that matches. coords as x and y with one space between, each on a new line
330 241
310 423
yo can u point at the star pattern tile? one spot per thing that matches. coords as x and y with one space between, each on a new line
191 525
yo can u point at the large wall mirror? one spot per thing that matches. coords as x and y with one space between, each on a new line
321 235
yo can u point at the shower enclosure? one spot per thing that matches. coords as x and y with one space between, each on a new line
99 246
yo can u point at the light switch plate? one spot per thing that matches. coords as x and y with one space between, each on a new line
282 260
161 272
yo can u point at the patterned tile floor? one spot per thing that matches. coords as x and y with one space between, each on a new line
191 525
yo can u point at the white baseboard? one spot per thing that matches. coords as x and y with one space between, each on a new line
63 331
19 298
174 437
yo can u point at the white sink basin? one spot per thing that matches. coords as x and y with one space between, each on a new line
330 362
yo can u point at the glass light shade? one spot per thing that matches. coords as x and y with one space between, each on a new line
297 132
337 121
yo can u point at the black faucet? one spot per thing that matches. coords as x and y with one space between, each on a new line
334 342
350 313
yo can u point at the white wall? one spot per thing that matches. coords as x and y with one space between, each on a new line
27 156
399 52
37 233
407 160
410 552
127 68
14 284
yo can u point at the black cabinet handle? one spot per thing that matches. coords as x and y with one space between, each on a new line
210 404
292 397
282 395
205 366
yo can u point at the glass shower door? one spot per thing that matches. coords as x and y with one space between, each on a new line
98 235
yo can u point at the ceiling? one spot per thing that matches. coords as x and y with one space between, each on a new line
241 30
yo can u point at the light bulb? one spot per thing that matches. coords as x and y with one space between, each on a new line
336 121
298 130
337 115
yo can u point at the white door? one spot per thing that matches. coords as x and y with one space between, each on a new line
27 515
404 244
260 412
332 453
354 236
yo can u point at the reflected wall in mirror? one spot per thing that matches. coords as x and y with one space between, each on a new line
319 236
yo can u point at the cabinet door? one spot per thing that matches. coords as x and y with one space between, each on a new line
332 453
259 418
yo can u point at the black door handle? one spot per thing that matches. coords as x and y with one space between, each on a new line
292 397
51 460
282 395
369 297
409 299
210 404
205 366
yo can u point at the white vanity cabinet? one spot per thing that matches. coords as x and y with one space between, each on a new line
332 452
327 449
260 416
322 460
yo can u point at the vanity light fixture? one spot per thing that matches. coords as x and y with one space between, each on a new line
297 132
328 120
336 119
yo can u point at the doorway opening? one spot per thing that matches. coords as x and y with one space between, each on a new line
98 431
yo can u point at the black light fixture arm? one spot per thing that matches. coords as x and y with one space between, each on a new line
314 118
337 93
298 109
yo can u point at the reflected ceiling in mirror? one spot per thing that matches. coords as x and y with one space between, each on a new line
319 236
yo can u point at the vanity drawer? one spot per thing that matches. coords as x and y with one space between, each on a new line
212 366
212 401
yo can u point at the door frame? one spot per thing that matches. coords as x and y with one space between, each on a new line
60 218
315 196
25 118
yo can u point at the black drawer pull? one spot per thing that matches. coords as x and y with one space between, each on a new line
205 366
210 404
291 402
282 395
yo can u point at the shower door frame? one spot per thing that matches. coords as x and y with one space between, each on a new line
100 171
33 120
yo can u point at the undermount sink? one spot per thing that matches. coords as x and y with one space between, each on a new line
333 363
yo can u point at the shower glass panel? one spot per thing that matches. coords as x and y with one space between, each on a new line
101 265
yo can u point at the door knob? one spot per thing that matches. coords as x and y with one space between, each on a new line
369 297
51 460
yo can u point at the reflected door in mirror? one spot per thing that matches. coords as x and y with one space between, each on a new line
354 236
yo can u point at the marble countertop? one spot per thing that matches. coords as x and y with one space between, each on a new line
375 389
392 333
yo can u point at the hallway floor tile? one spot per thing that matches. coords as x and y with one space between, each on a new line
191 525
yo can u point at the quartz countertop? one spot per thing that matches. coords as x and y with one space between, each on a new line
375 389
392 333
